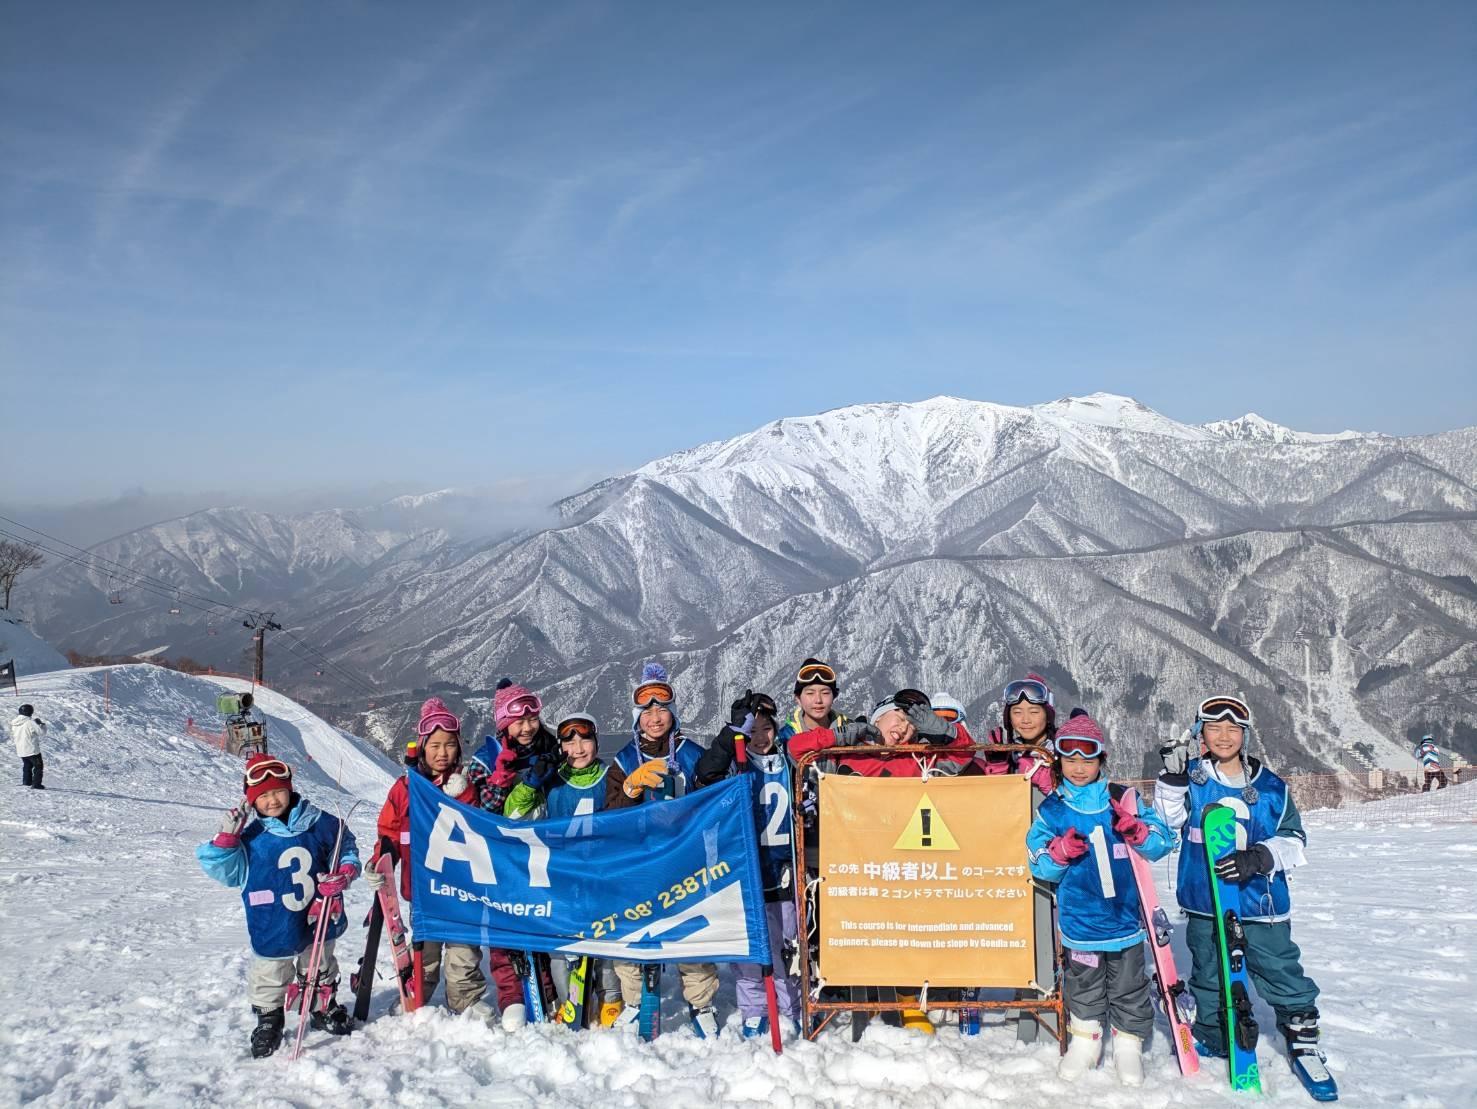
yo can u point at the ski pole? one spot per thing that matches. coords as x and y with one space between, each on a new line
771 1000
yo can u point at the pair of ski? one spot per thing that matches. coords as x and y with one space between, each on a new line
385 912
574 1010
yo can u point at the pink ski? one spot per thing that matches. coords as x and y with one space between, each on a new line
1176 1001
399 945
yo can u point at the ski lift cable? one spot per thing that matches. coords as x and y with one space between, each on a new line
137 574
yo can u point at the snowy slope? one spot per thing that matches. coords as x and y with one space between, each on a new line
123 966
31 653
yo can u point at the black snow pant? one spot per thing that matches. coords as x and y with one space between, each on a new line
1439 776
31 771
1110 986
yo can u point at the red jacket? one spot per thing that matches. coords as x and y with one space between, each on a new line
904 764
394 825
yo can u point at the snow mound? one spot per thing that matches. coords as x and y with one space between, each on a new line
32 654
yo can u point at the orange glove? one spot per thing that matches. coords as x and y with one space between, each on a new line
651 774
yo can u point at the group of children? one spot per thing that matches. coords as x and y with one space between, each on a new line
527 770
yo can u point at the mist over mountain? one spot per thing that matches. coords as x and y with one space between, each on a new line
1137 561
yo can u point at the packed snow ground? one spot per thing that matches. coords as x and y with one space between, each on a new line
123 966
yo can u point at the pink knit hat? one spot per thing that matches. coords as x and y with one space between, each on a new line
435 714
1086 731
512 701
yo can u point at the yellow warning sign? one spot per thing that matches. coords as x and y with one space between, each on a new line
926 831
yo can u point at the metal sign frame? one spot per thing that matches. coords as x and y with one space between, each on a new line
1047 1011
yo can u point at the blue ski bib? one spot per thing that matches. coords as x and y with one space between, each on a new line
1257 819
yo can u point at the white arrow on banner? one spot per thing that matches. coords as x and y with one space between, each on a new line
712 927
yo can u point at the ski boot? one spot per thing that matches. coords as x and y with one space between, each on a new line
705 1022
1128 1058
1306 1058
515 1016
328 1015
916 1020
610 1012
266 1037
1083 1051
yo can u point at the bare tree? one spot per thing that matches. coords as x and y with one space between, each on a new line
15 559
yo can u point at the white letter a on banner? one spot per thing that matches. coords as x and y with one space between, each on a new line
470 849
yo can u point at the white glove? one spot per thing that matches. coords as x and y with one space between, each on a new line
1176 755
373 877
232 822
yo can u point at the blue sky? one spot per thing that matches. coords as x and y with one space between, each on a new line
458 244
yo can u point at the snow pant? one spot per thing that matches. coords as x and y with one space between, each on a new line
1110 987
505 979
1438 775
31 768
699 982
465 985
267 979
1273 961
750 976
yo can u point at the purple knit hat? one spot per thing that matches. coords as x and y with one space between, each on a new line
435 714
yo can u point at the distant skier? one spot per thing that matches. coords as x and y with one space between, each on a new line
1097 901
774 817
439 760
26 730
659 763
1430 757
1218 769
280 861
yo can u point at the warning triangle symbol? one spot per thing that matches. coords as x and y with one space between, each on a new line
926 831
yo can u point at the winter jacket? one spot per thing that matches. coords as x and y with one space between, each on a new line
949 759
773 807
276 864
492 798
573 793
682 756
1097 898
394 822
1265 813
27 732
794 724
1427 752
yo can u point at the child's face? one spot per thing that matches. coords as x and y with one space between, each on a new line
656 721
763 737
815 702
579 751
522 730
274 802
1028 721
1080 771
1223 739
440 751
895 728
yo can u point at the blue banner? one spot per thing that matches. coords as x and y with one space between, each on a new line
666 881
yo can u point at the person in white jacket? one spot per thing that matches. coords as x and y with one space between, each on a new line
27 731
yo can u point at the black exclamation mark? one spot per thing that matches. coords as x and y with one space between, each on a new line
926 815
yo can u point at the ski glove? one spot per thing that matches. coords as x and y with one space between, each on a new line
651 774
1067 847
1127 824
333 885
1038 769
1176 755
543 770
928 723
503 776
855 733
230 833
1243 866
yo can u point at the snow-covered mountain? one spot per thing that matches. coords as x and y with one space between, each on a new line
1139 560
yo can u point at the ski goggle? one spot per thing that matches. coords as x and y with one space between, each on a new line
653 693
1078 747
908 698
947 714
576 727
1028 689
816 672
524 706
1224 708
763 703
259 772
